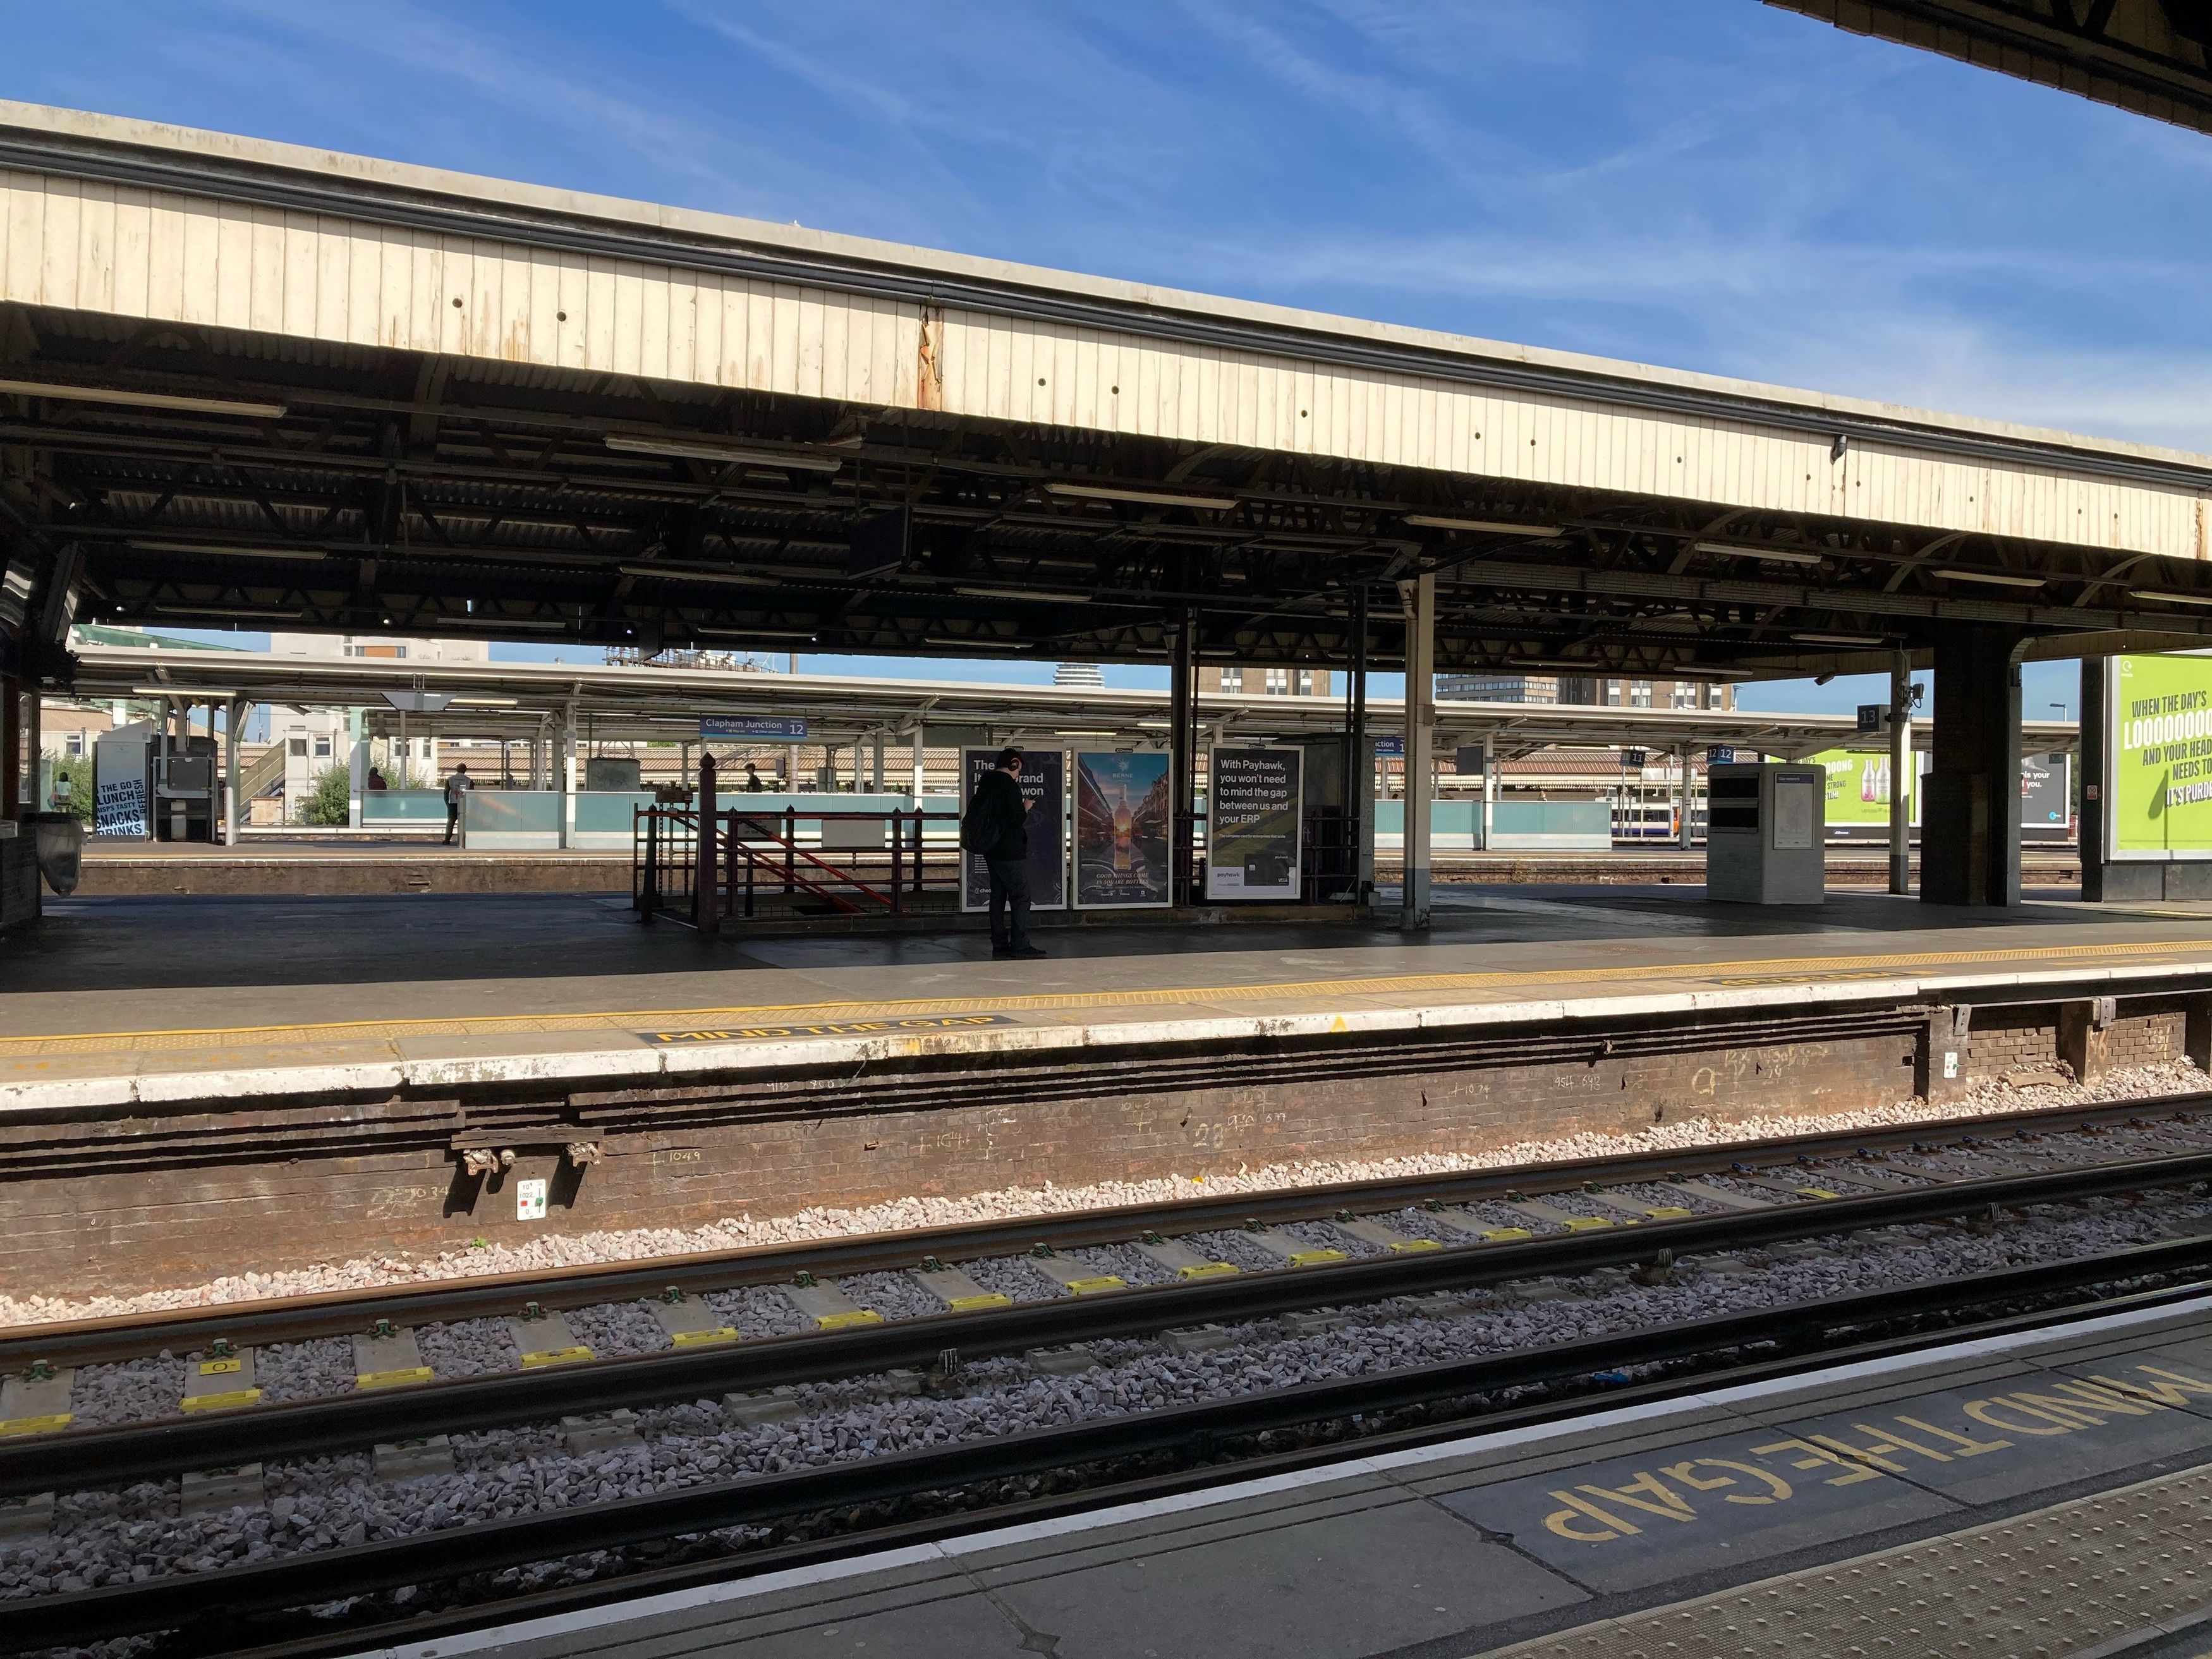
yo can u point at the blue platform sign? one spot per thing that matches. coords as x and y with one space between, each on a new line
1721 754
1391 748
760 727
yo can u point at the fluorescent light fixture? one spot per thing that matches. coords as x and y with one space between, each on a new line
1771 554
93 394
503 622
1481 526
1057 733
1143 497
1021 594
679 573
145 546
485 702
2169 599
1839 639
990 645
696 449
1994 578
757 633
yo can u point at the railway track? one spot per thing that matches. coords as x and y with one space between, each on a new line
1481 1229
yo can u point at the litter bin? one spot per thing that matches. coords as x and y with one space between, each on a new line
58 838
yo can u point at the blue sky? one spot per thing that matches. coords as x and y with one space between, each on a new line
1705 184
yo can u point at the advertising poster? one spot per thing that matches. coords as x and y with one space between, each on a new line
1858 792
118 808
2046 805
1254 802
2158 757
1121 838
1044 785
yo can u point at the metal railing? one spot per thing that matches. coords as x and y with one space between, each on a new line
758 865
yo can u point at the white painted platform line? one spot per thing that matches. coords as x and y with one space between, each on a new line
950 1550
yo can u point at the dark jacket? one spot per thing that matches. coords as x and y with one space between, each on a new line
997 822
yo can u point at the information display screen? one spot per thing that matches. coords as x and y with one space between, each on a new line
2158 757
1044 785
1254 802
1122 840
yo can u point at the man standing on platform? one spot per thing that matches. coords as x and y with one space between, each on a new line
456 786
997 827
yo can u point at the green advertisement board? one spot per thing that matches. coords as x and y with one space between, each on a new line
1858 790
2158 757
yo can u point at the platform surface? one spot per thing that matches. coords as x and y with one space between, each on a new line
2045 1493
150 994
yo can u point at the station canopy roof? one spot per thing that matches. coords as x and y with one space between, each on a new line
667 705
243 384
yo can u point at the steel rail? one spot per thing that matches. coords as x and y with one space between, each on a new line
346 1641
181 1599
341 1313
149 1449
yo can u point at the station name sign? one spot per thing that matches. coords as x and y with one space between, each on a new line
774 728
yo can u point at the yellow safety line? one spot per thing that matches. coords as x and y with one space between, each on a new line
688 1018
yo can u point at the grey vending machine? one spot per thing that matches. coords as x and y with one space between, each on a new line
1766 833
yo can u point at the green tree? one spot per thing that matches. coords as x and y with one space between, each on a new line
328 799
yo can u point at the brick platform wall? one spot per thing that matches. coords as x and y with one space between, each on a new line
2026 1039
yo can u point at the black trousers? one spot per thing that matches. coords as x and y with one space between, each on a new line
452 817
1010 891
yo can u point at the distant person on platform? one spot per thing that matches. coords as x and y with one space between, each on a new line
376 778
456 786
753 785
997 827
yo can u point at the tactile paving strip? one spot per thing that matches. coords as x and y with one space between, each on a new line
2077 1578
1793 969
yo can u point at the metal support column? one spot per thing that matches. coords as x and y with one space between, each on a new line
876 783
1688 800
356 768
1358 759
921 765
705 893
1901 774
568 776
1419 598
1970 824
2095 888
233 803
1489 788
1183 759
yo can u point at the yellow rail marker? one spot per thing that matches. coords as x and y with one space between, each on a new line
1100 1282
223 1402
1816 1192
987 1299
568 1356
1406 1247
1504 1235
222 1367
700 1339
839 1322
405 1375
1586 1223
45 1424
1206 1270
1668 1212
1313 1258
